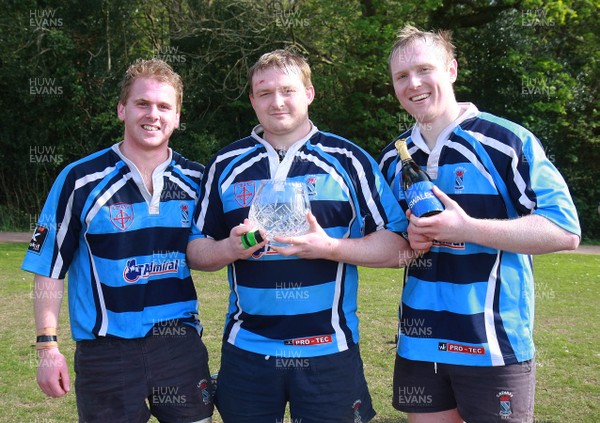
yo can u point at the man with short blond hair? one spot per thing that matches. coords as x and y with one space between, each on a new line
465 345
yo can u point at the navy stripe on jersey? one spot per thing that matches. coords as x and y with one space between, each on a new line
263 274
143 242
158 292
444 325
454 268
297 326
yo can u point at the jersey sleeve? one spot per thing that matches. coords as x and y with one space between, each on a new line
388 163
379 207
56 236
551 195
209 219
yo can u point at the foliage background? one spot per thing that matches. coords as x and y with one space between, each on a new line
531 61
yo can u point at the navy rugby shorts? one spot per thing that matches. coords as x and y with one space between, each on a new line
127 380
254 388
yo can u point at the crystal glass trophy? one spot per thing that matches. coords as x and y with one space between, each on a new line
279 208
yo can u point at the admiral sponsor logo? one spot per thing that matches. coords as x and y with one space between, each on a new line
460 348
243 192
38 239
264 251
309 341
134 272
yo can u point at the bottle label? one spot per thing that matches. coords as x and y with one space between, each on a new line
421 200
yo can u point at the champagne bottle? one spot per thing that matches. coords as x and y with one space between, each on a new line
417 185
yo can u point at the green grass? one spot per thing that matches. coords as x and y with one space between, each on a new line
567 322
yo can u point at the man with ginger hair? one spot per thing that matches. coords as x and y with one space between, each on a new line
118 222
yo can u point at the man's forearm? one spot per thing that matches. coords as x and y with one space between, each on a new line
47 299
208 255
378 249
533 234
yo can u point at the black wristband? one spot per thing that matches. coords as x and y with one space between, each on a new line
47 338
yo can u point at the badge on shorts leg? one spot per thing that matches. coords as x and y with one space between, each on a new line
205 390
505 409
356 410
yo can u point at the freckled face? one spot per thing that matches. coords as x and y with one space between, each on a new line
150 114
280 101
423 79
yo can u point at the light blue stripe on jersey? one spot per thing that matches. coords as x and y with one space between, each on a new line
250 341
437 296
286 300
122 322
467 248
413 350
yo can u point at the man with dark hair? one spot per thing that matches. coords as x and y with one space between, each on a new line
291 334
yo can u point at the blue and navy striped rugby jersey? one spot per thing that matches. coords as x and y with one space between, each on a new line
464 303
123 248
287 306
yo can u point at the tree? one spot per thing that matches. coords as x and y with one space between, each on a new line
532 61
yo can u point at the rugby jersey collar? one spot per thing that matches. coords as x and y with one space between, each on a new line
279 170
468 111
152 200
